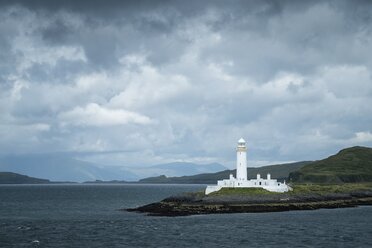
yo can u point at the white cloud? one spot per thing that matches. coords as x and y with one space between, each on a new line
16 93
146 85
362 137
96 115
346 80
39 127
30 128
90 145
21 138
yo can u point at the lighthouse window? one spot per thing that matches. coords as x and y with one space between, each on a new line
260 183
278 184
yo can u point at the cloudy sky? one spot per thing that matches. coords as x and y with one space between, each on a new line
146 82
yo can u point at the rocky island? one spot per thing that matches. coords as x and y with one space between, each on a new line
254 200
341 180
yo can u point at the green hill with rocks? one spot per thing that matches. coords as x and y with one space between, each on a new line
350 165
14 178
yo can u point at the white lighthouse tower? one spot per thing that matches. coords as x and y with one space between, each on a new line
241 161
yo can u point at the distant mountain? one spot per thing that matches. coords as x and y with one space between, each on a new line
108 182
177 169
14 178
280 172
349 165
60 167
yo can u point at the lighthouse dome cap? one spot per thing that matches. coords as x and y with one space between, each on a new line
241 140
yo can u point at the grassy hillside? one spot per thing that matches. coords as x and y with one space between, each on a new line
280 172
14 178
349 165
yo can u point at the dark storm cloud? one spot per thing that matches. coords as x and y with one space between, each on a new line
58 32
151 24
147 32
97 7
296 38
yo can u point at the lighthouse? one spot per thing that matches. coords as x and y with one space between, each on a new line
241 161
241 180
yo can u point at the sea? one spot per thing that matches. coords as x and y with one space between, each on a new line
83 215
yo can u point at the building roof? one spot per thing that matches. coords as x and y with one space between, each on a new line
241 140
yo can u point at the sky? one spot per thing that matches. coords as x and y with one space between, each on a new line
138 83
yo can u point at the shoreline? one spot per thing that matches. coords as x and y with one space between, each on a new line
196 204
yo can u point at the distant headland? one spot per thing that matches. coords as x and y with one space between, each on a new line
15 178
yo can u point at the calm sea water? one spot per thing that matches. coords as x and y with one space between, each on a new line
88 216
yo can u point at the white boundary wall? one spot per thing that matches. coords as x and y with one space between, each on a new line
269 184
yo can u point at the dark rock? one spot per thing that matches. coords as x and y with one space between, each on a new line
193 204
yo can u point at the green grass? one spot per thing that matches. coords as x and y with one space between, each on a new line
330 188
320 189
242 191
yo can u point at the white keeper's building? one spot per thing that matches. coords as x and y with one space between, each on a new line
241 180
